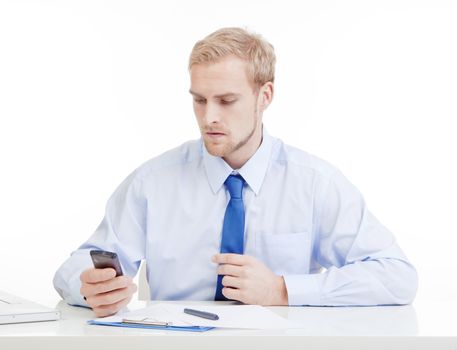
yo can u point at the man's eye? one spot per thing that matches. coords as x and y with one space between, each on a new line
227 102
199 101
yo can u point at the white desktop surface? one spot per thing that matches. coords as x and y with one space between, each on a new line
418 326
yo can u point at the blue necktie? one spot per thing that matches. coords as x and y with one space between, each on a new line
233 229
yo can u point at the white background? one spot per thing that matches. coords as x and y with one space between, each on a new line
89 90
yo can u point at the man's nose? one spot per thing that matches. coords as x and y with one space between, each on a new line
212 114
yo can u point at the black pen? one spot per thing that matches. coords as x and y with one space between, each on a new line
202 314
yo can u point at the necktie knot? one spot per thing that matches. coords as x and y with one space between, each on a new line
234 184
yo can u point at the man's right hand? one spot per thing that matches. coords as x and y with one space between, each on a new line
105 293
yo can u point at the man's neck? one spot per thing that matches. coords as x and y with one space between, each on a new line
240 157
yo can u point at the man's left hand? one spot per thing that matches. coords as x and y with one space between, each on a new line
249 281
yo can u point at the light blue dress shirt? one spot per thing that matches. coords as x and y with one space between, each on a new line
304 221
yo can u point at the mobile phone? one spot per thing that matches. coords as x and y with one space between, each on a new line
103 259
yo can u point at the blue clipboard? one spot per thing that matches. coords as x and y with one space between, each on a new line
163 326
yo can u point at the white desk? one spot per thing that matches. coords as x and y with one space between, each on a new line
430 325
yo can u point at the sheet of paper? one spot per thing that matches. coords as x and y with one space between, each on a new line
230 316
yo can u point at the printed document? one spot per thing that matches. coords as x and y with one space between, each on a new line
230 316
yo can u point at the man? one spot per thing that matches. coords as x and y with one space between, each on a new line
238 214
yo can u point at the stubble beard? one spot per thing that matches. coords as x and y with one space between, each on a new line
230 147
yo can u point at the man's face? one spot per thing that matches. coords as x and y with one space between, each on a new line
225 104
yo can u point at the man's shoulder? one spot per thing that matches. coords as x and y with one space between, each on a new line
179 156
287 155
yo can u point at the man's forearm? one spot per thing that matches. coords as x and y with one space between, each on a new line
371 282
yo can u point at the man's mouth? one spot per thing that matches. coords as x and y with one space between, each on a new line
213 134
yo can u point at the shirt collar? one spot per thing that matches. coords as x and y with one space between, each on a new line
253 171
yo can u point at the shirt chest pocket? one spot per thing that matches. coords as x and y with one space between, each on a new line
284 253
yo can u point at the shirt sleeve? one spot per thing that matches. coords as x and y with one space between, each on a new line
363 263
122 230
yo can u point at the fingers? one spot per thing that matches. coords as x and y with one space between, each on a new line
107 310
105 293
249 281
111 298
94 275
233 282
233 294
91 289
231 270
233 259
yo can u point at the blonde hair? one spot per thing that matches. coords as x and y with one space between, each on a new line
248 46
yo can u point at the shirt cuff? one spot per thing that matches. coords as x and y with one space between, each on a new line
303 289
67 279
75 298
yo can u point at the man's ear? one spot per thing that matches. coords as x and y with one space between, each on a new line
266 94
